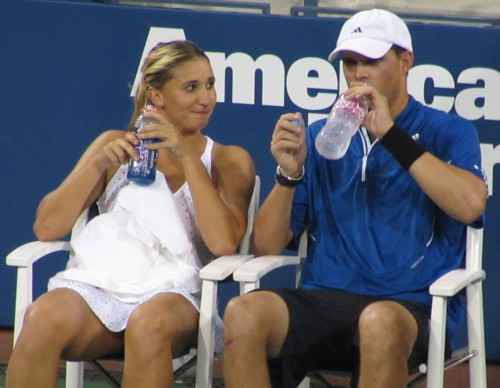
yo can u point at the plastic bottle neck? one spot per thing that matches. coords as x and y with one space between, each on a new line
150 108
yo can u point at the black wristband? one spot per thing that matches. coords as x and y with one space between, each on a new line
402 146
287 181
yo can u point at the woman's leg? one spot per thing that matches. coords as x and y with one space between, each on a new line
158 331
59 324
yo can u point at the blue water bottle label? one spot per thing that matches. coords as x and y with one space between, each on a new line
143 171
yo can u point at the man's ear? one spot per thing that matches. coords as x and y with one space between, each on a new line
407 61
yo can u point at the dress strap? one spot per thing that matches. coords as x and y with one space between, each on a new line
206 157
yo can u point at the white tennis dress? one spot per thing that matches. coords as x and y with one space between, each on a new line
145 241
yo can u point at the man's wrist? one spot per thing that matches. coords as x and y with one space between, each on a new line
402 146
287 181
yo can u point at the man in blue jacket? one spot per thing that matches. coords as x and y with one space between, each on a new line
384 221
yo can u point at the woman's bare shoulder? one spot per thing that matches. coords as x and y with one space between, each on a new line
232 163
231 154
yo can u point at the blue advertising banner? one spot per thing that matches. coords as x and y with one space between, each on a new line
68 69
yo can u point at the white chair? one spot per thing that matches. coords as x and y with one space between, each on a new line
25 256
469 278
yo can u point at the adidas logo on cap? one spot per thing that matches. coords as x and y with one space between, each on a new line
372 33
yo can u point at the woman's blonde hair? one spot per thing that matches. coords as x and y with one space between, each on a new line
157 69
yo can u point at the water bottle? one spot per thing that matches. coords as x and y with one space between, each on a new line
342 123
143 171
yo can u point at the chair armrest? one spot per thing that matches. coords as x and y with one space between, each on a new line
452 282
222 267
27 254
255 269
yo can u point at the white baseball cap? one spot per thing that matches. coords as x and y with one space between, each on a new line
372 33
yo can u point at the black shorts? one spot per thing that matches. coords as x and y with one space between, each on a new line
323 333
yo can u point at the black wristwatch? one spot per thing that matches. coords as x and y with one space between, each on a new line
287 181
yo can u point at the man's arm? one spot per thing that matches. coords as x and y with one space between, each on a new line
459 193
272 224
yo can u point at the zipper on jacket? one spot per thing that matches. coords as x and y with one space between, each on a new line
365 140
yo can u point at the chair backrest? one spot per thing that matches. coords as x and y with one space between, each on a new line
80 223
474 249
302 253
252 211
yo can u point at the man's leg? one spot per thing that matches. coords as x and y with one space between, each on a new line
255 328
388 332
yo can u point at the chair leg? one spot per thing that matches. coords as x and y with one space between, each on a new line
74 374
206 335
181 371
475 328
435 362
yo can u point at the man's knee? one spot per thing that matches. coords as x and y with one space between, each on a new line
242 313
387 324
257 319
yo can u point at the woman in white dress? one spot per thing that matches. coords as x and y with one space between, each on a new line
131 285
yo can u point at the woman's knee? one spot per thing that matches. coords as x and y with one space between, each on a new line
143 326
44 316
161 327
46 323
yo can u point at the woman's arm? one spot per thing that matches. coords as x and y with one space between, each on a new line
59 210
222 209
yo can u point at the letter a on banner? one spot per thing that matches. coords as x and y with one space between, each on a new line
155 36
